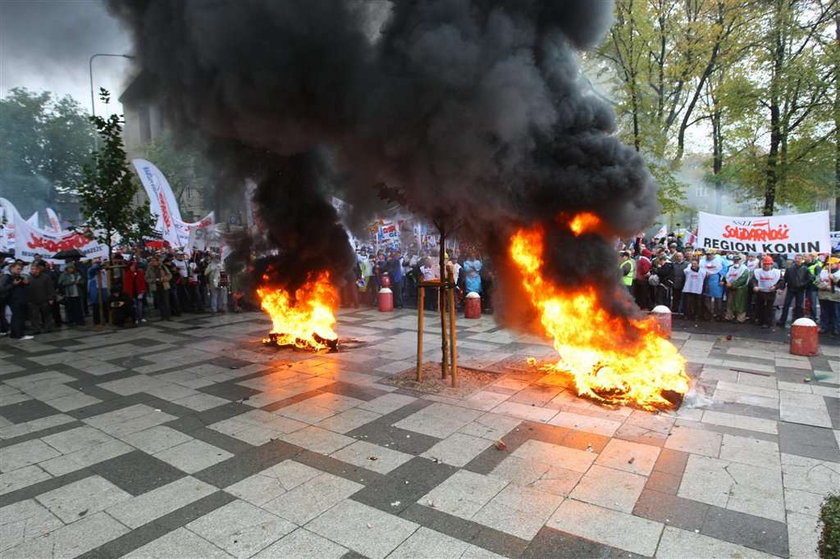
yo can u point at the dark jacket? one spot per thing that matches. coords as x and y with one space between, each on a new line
41 289
797 278
679 274
14 294
665 273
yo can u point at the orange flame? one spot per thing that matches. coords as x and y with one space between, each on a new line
611 359
302 319
584 222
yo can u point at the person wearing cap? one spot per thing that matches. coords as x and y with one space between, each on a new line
737 277
796 279
828 293
766 281
627 269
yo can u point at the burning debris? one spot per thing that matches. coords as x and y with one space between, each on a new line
612 359
303 318
467 112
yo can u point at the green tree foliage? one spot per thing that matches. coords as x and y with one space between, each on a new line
107 192
758 78
44 143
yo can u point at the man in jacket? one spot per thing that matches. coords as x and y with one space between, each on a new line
213 273
13 289
395 272
797 277
40 294
680 266
158 280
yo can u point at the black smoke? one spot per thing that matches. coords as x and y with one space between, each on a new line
473 111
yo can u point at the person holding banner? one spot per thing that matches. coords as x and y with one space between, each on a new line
692 293
713 292
737 278
767 281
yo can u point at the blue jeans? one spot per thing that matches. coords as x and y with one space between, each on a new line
828 315
796 297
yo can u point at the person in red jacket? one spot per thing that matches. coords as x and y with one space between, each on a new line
134 285
641 287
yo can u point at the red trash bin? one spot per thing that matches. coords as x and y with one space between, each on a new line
386 300
472 305
662 316
804 337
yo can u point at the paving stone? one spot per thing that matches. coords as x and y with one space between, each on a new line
694 441
671 510
740 421
464 494
807 409
77 439
28 410
23 521
803 535
272 482
458 449
25 454
72 540
429 544
491 426
136 472
628 456
624 488
179 543
554 543
675 542
193 455
404 485
240 528
87 496
518 511
612 528
21 477
303 544
156 503
438 420
747 530
808 441
349 420
387 403
368 531
311 498
371 457
809 474
85 457
156 439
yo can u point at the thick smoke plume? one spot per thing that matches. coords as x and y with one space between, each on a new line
473 111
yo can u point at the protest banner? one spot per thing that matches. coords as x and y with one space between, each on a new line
775 234
161 201
55 223
31 241
835 240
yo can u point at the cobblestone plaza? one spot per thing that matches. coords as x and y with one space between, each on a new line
191 439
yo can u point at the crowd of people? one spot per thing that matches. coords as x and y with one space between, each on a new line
40 296
727 286
405 270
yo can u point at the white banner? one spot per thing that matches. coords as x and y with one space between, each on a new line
161 200
34 221
185 230
775 234
835 240
32 241
55 223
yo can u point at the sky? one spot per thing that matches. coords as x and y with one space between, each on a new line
45 45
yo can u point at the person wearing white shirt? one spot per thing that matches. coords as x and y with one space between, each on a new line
766 282
695 278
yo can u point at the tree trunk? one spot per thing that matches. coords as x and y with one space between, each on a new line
771 174
444 345
837 127
717 153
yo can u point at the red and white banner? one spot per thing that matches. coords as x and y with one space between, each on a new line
31 241
55 223
775 234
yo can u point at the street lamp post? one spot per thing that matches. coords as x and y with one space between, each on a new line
90 70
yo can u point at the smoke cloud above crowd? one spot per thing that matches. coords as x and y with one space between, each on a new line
470 112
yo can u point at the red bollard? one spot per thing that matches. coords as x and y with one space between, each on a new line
472 305
386 300
662 316
804 337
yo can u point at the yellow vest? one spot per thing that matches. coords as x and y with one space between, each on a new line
628 279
